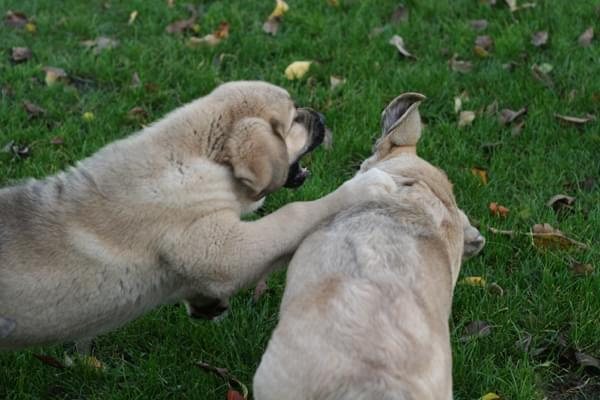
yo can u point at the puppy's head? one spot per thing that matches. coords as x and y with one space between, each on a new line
268 137
396 153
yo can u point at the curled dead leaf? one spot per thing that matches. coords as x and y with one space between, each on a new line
335 81
480 52
297 69
54 75
492 108
517 128
545 236
57 140
581 268
465 118
473 281
15 19
496 289
561 202
498 210
459 65
539 38
135 80
476 329
479 24
398 42
280 8
508 116
481 173
212 39
585 39
33 109
271 26
100 43
585 360
20 54
540 72
512 5
576 120
486 42
183 25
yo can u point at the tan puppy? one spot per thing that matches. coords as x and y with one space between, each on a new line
368 296
155 218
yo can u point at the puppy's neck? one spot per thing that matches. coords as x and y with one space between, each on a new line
401 150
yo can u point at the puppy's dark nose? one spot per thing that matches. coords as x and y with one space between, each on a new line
322 119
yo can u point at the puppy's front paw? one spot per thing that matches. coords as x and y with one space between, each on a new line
369 186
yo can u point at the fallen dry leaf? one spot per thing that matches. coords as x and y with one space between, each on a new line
492 108
259 290
539 38
459 65
17 150
508 116
49 360
465 118
399 15
480 52
297 69
490 396
271 26
100 43
21 54
545 236
498 211
476 329
473 281
585 360
479 24
15 19
132 17
224 373
517 128
481 173
212 39
576 120
54 75
496 289
137 113
93 362
135 80
57 140
398 42
586 37
486 42
582 269
334 3
183 25
457 104
336 81
561 202
32 109
540 72
512 5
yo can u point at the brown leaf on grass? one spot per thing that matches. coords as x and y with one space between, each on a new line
486 42
539 38
517 128
492 108
476 329
135 80
582 269
259 290
479 24
585 360
100 43
170 3
335 81
224 373
576 120
508 116
545 236
21 54
465 118
458 101
480 52
481 173
15 19
399 15
561 202
54 75
586 37
49 360
398 42
271 26
212 39
498 210
137 113
33 109
540 72
57 140
459 65
183 25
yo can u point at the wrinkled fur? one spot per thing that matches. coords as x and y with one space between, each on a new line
368 296
155 218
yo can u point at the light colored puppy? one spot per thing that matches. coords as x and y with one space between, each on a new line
155 218
368 296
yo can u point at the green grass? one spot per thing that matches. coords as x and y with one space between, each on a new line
154 357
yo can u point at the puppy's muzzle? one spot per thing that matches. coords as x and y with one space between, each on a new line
315 124
211 310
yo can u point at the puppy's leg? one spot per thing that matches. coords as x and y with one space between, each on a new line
234 254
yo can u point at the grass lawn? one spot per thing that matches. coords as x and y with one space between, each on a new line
548 314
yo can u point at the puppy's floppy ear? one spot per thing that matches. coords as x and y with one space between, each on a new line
401 122
257 155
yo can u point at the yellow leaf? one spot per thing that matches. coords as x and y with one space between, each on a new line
334 3
481 173
490 396
30 27
473 281
480 52
54 75
544 236
280 8
465 118
297 69
88 116
132 17
93 362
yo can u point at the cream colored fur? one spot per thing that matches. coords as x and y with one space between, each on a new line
368 296
155 218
